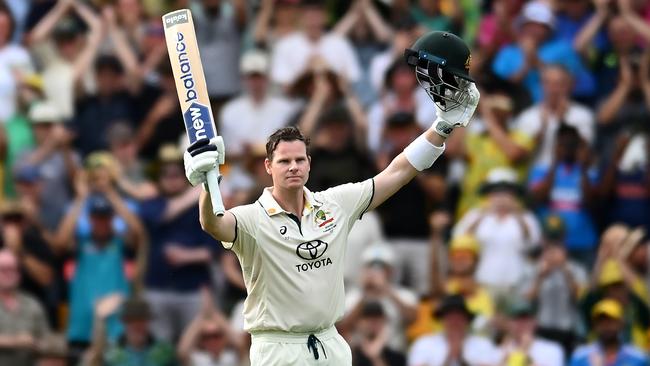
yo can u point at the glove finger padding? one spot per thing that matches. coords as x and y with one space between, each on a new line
460 116
201 157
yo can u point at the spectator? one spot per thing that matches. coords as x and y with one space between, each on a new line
53 351
377 285
13 59
535 46
129 169
369 34
624 26
627 108
567 187
55 159
161 122
22 319
219 26
454 345
68 54
406 32
373 337
429 14
572 17
275 20
18 129
506 231
96 113
490 143
22 235
209 340
405 215
612 281
248 119
520 342
293 54
555 285
99 261
495 31
541 121
460 279
137 346
624 184
337 154
403 95
608 349
179 251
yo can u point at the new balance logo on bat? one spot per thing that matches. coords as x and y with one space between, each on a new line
185 68
198 122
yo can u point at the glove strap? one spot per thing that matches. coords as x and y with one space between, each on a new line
442 127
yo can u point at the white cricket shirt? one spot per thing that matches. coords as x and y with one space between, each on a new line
294 270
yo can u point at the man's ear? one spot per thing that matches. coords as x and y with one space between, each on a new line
309 160
267 165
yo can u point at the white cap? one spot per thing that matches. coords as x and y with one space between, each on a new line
537 12
502 175
254 62
378 253
45 112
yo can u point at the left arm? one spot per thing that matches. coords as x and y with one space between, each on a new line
399 172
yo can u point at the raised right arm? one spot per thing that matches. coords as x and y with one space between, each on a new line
222 228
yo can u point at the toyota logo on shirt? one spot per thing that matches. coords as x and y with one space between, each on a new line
311 250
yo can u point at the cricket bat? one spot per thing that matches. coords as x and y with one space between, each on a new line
192 92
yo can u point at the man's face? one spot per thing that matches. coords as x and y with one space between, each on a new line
521 325
212 339
108 82
461 262
556 83
172 179
371 326
314 19
607 329
5 27
455 323
403 81
137 331
9 271
256 84
537 31
42 131
102 226
290 165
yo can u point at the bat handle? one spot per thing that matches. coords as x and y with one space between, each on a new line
212 178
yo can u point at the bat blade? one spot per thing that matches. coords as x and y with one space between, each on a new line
188 75
185 59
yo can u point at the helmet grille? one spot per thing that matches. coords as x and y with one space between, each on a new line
448 91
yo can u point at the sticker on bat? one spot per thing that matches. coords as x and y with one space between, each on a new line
198 122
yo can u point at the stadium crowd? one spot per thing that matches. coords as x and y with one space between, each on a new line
525 244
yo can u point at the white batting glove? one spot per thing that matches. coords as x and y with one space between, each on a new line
199 161
457 117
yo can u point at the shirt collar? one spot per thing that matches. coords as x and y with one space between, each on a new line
271 206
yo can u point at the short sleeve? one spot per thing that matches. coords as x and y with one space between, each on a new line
354 198
523 140
245 228
537 175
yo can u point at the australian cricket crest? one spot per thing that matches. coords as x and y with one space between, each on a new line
324 220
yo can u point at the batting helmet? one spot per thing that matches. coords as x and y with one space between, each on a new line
441 61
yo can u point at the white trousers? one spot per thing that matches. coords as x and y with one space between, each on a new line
291 349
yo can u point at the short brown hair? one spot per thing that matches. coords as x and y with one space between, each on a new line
284 134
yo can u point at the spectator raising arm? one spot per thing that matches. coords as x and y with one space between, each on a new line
123 50
103 309
586 35
63 240
45 26
612 105
626 8
262 26
85 59
136 235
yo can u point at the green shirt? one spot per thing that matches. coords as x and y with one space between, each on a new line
158 353
19 139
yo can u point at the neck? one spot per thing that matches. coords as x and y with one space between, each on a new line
291 200
257 98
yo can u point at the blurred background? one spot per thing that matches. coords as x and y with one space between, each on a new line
525 244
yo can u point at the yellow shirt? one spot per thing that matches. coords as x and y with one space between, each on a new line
483 155
480 303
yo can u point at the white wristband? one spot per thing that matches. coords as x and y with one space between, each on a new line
422 154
